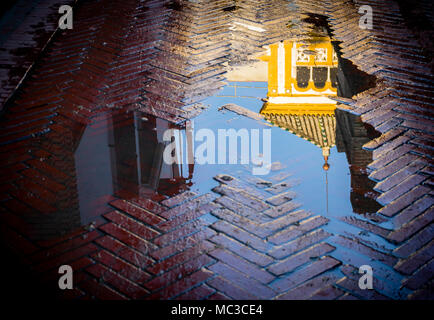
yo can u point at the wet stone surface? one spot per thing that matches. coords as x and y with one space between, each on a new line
83 180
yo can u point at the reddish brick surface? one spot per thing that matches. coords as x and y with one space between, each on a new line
258 243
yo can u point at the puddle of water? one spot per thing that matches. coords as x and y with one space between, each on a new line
314 147
123 155
320 145
120 155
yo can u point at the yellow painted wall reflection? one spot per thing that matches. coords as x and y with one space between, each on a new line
301 77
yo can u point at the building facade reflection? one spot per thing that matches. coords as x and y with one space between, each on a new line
120 155
302 76
124 158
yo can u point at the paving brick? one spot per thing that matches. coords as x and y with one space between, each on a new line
289 218
137 212
390 156
417 208
182 285
281 198
144 203
401 188
52 172
198 293
366 250
127 237
178 199
241 209
218 296
315 268
297 230
165 278
180 258
69 244
21 244
131 225
244 223
282 186
237 185
417 259
368 226
230 290
66 257
282 209
242 197
192 205
416 242
120 266
353 287
422 276
187 217
249 284
399 176
310 288
242 250
124 286
382 139
182 244
389 146
300 259
118 248
43 180
417 125
328 293
410 228
403 201
100 291
298 244
33 201
241 235
242 265
181 232
348 296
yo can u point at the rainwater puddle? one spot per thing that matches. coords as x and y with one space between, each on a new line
123 156
315 146
288 91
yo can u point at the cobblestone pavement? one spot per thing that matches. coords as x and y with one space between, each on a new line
243 239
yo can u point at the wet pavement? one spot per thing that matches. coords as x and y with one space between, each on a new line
84 181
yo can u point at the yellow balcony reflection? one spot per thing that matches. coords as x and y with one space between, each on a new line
301 69
301 77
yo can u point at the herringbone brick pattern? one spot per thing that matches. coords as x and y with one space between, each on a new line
399 108
246 239
25 32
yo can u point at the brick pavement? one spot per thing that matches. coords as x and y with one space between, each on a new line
240 241
26 30
399 108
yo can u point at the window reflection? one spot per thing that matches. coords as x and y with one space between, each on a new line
302 76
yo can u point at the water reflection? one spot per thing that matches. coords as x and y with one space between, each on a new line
302 77
351 135
121 155
125 158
